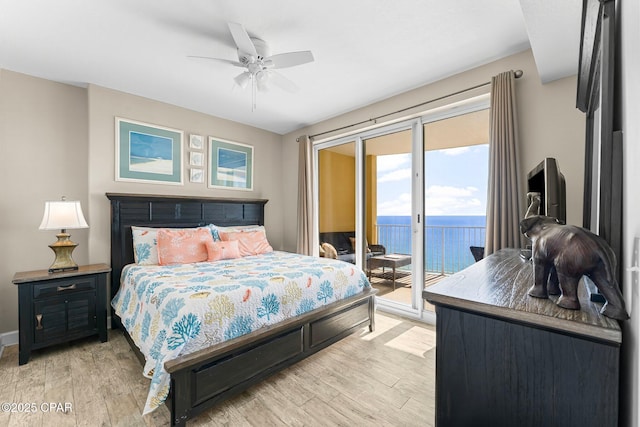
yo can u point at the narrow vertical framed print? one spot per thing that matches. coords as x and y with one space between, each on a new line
195 142
230 165
196 175
148 153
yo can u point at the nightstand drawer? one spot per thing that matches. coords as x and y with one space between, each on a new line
64 287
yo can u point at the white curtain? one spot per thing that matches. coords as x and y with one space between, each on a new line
503 198
305 196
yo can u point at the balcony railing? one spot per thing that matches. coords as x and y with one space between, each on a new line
446 248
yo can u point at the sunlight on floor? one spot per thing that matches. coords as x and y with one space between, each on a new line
404 335
384 324
416 341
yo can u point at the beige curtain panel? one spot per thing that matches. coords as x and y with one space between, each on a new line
305 196
503 198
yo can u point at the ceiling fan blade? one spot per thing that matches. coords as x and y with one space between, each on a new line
243 42
208 58
290 59
282 82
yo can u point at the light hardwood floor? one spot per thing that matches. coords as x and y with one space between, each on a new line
385 378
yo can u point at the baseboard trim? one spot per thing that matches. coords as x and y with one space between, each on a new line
7 339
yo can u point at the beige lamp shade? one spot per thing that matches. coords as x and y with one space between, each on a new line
63 215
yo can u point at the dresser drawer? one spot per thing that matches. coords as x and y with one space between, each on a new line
64 287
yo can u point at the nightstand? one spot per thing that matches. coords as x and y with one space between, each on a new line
60 307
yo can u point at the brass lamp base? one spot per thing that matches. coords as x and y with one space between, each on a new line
63 249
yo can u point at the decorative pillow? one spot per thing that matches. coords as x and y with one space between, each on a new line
222 250
145 245
249 242
353 244
216 229
183 246
329 251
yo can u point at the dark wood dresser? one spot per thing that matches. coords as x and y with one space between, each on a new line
504 358
59 307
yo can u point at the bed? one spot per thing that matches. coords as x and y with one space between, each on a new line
205 377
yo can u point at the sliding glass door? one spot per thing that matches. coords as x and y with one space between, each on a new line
406 201
456 161
367 210
390 218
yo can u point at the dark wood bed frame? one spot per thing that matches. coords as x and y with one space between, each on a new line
202 379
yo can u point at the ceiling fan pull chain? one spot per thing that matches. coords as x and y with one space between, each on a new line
253 93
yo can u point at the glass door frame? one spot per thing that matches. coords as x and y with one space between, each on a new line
417 205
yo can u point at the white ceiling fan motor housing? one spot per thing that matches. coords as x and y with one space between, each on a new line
261 48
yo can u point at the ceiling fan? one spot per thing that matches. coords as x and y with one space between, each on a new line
254 55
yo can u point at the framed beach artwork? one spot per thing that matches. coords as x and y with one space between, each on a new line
230 165
148 153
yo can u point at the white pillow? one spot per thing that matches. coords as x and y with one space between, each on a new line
145 245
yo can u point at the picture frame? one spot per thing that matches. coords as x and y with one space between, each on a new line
196 142
196 158
230 165
598 97
148 153
196 175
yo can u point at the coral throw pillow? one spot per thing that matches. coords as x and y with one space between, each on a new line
223 250
249 242
183 246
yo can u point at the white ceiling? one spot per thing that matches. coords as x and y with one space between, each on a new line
365 50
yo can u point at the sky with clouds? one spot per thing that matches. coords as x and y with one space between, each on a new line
455 182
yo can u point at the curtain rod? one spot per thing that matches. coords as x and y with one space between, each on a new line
517 74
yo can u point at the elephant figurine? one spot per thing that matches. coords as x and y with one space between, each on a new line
562 254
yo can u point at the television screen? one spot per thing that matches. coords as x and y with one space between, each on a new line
547 180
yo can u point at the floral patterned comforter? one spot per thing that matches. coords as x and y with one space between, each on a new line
178 309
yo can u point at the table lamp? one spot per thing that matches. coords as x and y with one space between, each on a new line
63 215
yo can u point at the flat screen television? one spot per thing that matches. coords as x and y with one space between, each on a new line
547 180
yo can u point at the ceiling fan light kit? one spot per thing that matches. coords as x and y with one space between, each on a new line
242 79
254 55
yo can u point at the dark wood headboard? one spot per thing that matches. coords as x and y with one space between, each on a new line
171 211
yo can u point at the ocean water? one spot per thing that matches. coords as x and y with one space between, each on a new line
447 239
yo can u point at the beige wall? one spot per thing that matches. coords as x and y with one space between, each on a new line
106 104
549 126
57 139
43 156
